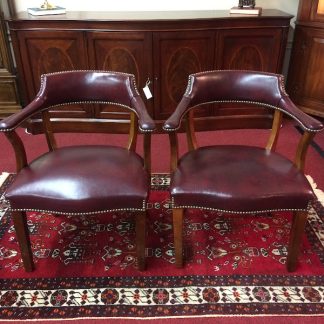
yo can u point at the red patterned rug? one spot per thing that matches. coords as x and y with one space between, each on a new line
86 266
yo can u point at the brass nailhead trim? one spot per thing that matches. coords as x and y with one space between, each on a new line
282 88
248 102
132 77
143 208
240 212
43 86
88 102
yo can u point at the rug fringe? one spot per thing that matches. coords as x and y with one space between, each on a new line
3 177
318 192
150 318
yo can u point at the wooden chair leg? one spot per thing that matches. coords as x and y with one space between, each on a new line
177 233
296 233
140 239
22 233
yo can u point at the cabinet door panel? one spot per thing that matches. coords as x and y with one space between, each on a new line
9 96
313 86
249 49
176 55
128 52
306 73
47 52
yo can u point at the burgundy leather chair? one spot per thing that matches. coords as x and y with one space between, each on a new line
85 179
235 178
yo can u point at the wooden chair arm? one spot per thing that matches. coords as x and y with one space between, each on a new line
15 120
307 122
276 124
190 131
302 148
174 121
145 122
19 149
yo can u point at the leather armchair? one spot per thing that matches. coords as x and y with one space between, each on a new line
239 179
84 179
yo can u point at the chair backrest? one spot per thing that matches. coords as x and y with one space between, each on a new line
55 104
85 101
261 89
236 86
87 86
60 92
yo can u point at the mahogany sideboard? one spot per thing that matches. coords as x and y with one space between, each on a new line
305 82
9 96
160 48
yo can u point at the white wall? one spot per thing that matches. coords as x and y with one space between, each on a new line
289 6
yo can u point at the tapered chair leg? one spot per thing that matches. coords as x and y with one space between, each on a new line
140 239
22 233
177 233
296 233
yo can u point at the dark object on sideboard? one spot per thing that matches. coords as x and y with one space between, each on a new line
246 3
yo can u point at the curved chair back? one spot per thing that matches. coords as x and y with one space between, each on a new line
81 179
261 89
239 179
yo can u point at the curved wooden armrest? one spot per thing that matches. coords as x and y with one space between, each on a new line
19 149
307 122
145 122
174 121
13 121
302 148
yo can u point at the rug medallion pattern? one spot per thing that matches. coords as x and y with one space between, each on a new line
87 266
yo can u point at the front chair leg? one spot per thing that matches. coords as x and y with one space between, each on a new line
22 233
140 239
177 233
296 234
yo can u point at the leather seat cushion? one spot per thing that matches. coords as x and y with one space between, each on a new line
81 179
239 178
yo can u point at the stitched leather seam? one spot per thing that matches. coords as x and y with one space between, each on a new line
96 71
143 208
248 102
280 76
239 212
85 102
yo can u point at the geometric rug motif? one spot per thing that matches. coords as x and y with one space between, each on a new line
174 296
235 265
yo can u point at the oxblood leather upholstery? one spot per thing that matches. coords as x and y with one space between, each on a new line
81 179
70 180
84 86
239 179
239 86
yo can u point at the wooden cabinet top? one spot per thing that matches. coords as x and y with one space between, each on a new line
151 20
